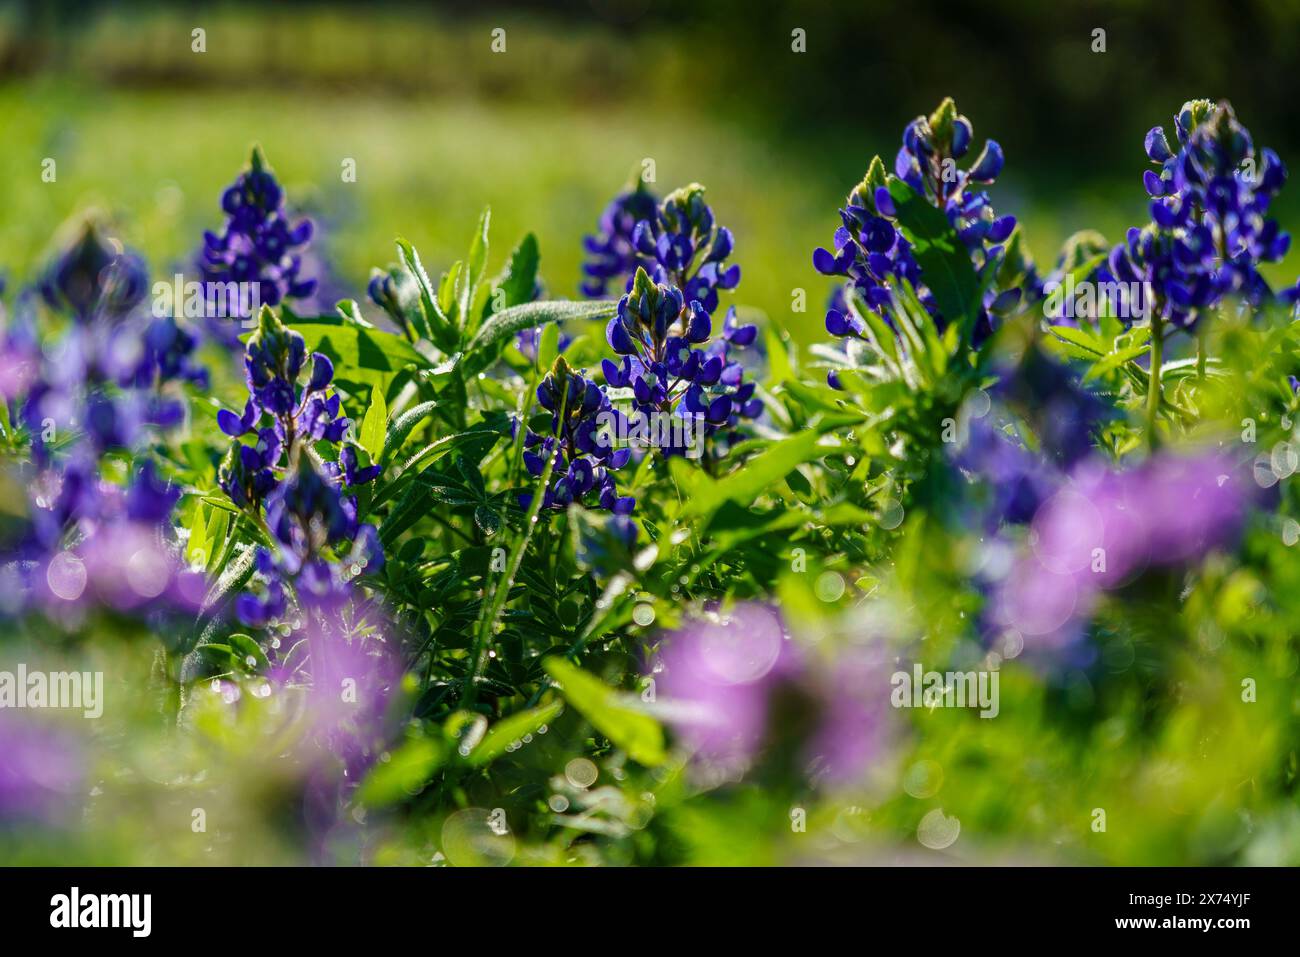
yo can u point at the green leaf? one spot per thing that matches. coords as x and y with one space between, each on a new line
477 263
448 298
214 537
245 648
481 439
196 548
945 264
511 729
351 313
436 328
518 280
404 774
370 356
779 348
502 326
210 660
747 483
610 713
1114 361
489 520
400 429
548 346
375 424
798 483
221 502
1081 338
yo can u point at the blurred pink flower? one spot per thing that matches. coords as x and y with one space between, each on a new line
40 771
717 674
721 680
1104 528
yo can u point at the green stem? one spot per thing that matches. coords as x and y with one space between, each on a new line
1153 388
492 608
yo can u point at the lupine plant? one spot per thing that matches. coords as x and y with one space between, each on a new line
408 580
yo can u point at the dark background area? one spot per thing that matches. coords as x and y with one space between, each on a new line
547 132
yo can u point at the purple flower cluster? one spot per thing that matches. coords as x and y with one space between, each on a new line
96 278
673 363
872 253
1210 228
308 511
1085 528
584 456
311 522
257 244
673 257
97 386
869 251
614 258
168 356
105 376
92 544
927 162
686 249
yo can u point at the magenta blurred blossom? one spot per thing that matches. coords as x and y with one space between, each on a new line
40 771
717 674
719 677
854 729
1103 528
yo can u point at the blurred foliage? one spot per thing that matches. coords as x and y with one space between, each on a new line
546 132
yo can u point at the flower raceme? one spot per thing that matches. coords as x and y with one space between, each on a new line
613 256
870 250
274 360
95 278
927 162
687 250
671 362
674 261
308 509
584 458
1209 228
258 244
104 385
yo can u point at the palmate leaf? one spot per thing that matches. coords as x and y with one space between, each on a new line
945 263
474 442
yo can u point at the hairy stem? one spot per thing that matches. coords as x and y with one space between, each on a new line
1153 387
493 607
